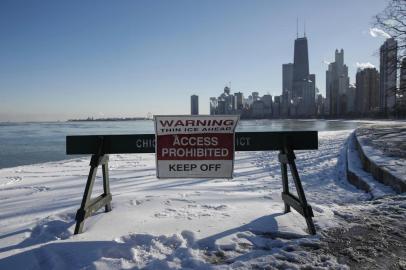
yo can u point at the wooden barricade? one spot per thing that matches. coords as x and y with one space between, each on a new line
100 146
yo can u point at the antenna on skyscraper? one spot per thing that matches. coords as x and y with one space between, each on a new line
304 28
297 27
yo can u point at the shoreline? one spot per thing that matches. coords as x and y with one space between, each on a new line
38 142
357 119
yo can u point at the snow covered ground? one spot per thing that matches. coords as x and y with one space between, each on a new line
176 223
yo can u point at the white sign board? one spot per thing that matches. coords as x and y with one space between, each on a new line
195 146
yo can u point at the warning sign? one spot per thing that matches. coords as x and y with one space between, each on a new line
195 146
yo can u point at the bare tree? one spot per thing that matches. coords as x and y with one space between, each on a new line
393 21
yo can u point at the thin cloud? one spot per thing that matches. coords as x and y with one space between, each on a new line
326 62
364 65
376 32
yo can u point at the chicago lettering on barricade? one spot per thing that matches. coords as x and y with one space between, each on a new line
195 146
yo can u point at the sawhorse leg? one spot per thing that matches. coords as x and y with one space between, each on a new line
287 158
88 205
285 183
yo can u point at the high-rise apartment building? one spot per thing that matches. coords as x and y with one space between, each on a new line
402 87
350 98
388 76
287 84
194 105
402 83
287 77
213 105
239 101
255 96
337 83
267 100
309 96
367 91
276 107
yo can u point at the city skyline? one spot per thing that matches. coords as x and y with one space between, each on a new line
375 93
138 57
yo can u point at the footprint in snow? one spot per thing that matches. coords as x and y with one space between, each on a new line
136 202
317 209
40 188
11 180
215 207
182 200
32 188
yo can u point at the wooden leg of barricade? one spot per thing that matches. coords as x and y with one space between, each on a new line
285 183
299 203
106 185
88 205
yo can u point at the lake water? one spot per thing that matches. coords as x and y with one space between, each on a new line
29 143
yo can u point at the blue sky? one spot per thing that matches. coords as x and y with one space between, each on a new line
69 59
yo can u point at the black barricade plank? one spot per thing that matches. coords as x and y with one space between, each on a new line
145 143
262 141
112 144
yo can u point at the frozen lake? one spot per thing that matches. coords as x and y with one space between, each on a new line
30 143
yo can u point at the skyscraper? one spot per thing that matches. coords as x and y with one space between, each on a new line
276 107
303 85
239 100
287 77
287 83
226 103
351 98
337 83
300 68
402 84
255 96
402 88
267 100
388 70
403 76
367 91
194 105
309 96
213 105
